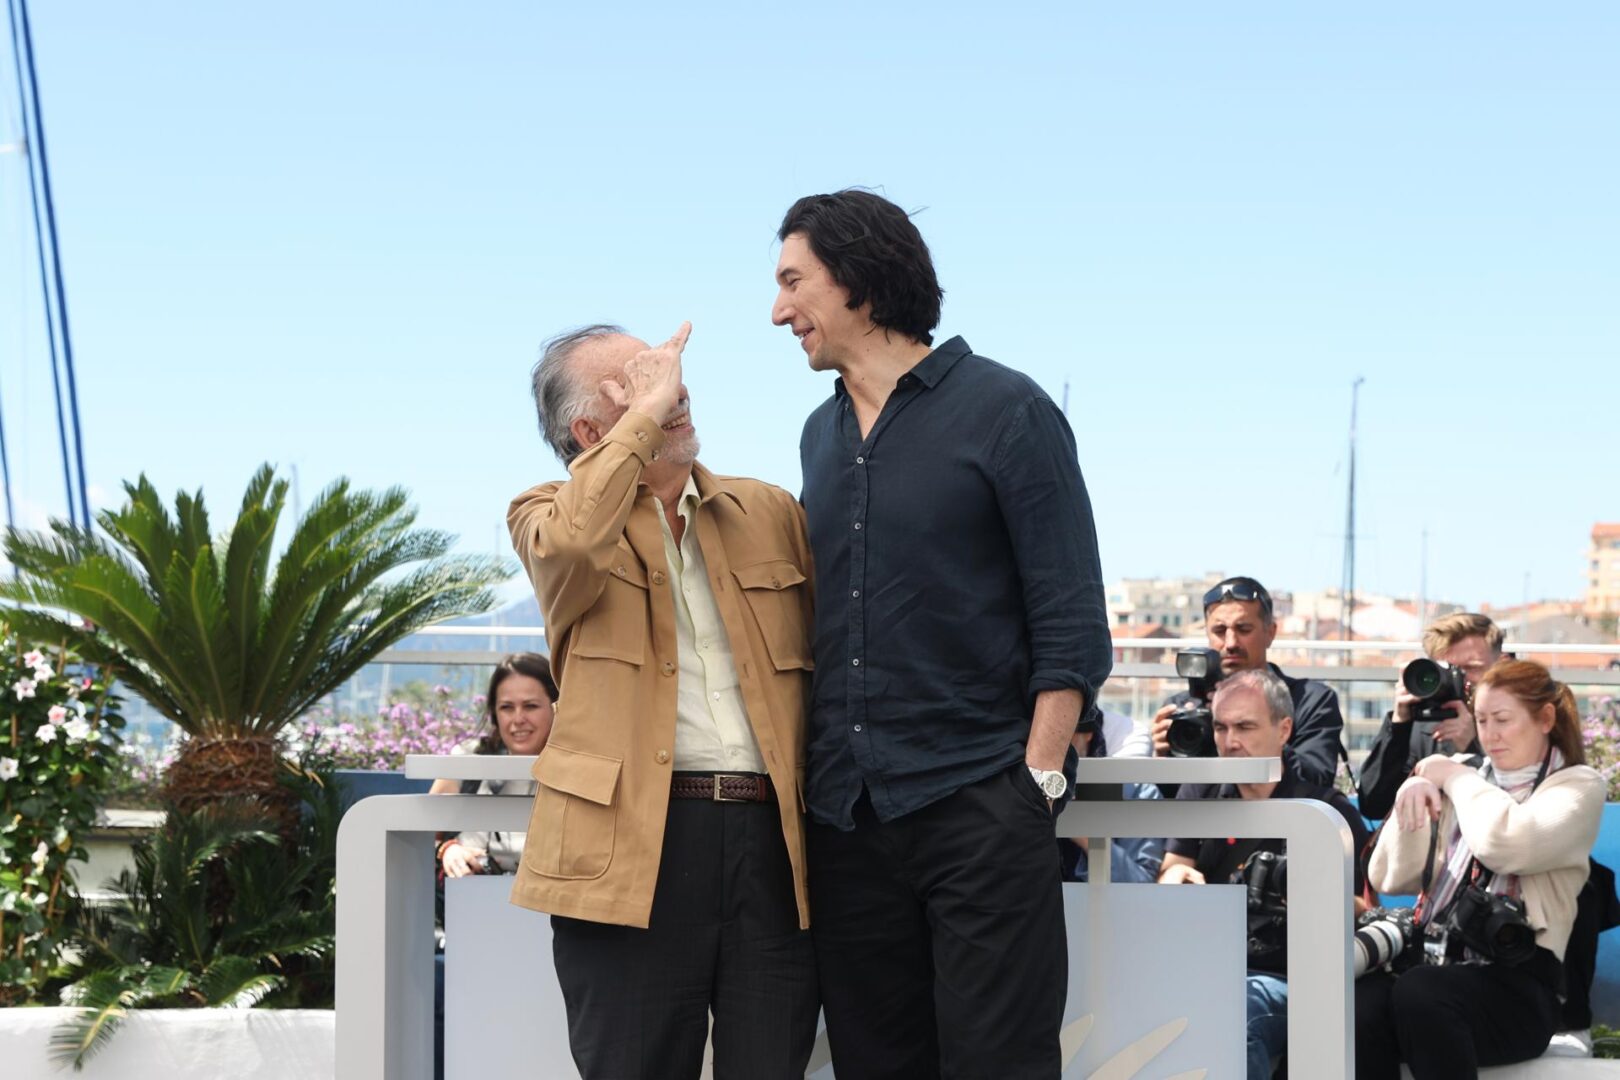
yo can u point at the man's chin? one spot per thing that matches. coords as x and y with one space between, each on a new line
682 450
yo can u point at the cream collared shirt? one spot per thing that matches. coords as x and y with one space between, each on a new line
712 733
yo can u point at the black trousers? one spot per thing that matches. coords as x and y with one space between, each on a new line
723 938
939 937
1446 1022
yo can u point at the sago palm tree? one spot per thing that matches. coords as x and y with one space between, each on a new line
216 640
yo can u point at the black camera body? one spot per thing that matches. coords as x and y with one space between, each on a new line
1495 927
1435 684
1192 726
1265 874
1388 939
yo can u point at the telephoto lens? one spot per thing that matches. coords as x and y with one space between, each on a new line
1376 945
1435 684
1386 938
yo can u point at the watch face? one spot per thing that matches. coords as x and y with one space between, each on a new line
1054 784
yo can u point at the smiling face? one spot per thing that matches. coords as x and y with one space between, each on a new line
816 307
1513 735
523 714
1238 630
603 359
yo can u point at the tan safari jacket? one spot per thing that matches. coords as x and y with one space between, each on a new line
594 550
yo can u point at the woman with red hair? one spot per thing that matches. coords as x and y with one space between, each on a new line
1499 848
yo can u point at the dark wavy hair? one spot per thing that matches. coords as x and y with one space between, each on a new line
533 665
875 253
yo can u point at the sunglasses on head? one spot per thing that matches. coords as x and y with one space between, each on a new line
1237 590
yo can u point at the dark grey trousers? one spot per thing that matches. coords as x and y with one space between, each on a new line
724 938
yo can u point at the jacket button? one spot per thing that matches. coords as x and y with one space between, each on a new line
776 583
658 577
661 757
642 435
619 570
669 668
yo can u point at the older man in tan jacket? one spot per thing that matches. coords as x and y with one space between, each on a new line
667 838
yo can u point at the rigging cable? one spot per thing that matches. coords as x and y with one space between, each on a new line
56 265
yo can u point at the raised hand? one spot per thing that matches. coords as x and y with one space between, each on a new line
652 379
1417 803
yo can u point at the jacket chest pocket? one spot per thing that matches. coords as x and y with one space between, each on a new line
617 626
575 814
774 593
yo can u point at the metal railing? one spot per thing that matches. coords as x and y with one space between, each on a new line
1364 672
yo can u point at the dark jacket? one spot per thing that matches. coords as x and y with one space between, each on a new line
1317 742
1390 760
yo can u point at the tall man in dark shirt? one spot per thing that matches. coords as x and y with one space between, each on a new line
1241 624
960 637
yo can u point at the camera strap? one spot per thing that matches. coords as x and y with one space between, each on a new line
1477 872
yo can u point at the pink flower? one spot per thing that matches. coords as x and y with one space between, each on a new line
57 714
23 688
33 658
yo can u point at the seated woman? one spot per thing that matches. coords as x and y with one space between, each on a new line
1519 826
517 720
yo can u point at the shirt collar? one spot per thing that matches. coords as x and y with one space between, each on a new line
705 486
929 370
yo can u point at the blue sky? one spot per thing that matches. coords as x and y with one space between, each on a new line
332 236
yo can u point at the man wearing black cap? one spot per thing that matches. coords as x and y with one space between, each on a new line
1241 625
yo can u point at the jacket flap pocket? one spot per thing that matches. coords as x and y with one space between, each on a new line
627 569
589 776
775 574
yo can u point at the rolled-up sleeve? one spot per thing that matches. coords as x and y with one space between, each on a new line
1043 500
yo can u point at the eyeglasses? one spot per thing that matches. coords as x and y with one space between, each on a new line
1238 590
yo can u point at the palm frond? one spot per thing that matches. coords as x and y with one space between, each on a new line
236 982
207 632
103 999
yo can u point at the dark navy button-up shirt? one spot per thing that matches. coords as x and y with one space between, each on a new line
956 578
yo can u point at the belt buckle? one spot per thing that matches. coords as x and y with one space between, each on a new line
718 777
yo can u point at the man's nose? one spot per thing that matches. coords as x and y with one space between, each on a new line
781 313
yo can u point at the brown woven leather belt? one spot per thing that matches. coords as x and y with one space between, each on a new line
723 787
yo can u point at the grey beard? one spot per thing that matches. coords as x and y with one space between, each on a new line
682 450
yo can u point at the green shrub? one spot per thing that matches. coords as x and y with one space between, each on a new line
219 910
59 743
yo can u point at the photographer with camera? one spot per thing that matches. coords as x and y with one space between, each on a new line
1252 718
1500 852
1241 625
1431 714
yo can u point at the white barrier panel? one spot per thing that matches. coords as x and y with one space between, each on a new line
385 917
503 1010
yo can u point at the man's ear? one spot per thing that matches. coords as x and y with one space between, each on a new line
585 432
1287 725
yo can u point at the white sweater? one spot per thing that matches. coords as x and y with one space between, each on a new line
1546 840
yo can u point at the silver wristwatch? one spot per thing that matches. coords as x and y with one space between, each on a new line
1052 782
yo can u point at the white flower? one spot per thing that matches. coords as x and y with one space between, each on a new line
33 658
43 672
23 688
46 733
57 714
41 853
8 768
8 902
77 729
